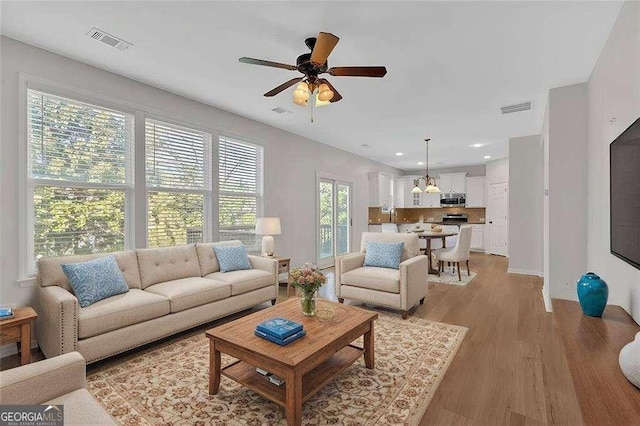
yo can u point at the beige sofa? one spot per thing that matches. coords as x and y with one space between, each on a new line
171 289
399 288
56 381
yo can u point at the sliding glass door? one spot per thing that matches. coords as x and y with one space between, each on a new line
334 220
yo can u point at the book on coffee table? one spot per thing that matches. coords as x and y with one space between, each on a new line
281 342
280 328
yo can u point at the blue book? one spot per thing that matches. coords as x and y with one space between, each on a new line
279 328
281 342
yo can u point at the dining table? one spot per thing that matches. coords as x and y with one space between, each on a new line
428 235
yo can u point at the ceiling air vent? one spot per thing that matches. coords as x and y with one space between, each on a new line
516 108
107 38
281 111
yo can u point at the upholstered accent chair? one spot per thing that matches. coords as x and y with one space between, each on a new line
457 254
55 381
399 289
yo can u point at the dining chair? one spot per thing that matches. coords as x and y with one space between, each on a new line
459 253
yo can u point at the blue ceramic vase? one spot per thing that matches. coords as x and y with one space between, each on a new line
593 293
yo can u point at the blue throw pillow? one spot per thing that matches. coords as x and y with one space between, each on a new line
95 280
232 258
383 255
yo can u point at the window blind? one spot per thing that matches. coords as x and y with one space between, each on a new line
77 142
178 180
240 183
79 169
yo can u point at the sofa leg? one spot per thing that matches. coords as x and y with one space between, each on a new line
405 314
422 301
340 299
273 302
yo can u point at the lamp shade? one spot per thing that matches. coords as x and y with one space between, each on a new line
416 190
268 226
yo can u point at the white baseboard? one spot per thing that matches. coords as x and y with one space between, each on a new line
525 272
12 349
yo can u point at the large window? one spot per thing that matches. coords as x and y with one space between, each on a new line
178 183
240 197
79 176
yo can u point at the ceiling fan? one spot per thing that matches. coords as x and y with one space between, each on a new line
311 65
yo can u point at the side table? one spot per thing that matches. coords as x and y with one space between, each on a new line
284 266
18 329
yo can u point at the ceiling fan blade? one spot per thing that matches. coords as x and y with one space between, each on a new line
357 71
324 45
283 86
336 95
253 61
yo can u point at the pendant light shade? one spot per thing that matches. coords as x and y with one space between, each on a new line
429 182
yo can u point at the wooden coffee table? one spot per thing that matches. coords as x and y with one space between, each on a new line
306 365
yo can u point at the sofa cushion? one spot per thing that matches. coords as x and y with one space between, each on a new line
50 272
80 408
120 311
158 265
411 243
244 281
188 293
232 258
380 279
383 255
95 280
207 257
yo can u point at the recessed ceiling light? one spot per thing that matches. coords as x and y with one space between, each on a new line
399 154
420 163
486 157
477 145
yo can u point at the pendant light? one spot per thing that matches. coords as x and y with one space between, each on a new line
429 181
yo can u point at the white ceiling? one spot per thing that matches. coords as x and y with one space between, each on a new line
451 65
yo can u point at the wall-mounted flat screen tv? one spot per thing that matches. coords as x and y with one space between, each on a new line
625 195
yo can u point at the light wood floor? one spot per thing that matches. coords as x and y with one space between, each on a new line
511 368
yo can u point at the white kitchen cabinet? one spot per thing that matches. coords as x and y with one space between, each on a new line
476 191
452 182
402 187
380 190
477 237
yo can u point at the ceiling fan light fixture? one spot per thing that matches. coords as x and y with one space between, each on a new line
324 92
320 102
301 92
300 101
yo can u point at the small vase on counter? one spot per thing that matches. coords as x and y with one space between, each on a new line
629 360
593 293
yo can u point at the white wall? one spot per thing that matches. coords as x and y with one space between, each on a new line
613 93
291 161
526 183
567 189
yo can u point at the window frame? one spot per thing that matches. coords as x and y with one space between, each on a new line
27 184
260 184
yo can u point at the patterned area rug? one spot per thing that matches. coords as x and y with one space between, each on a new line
169 384
448 277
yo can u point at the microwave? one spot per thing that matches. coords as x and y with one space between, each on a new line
452 199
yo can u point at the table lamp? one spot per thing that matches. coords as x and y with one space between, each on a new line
268 226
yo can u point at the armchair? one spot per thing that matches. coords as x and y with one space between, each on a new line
399 288
55 381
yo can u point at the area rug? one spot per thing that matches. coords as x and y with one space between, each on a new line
448 277
169 384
